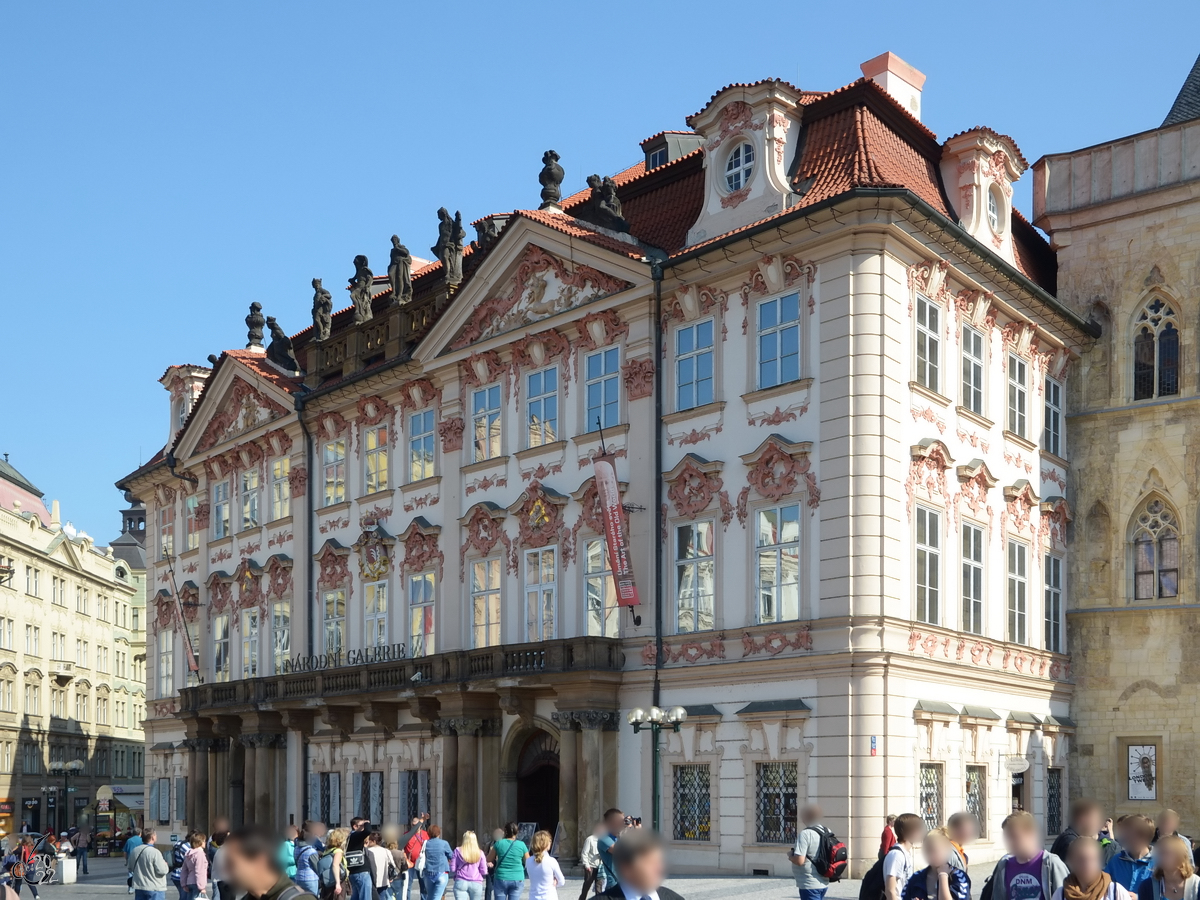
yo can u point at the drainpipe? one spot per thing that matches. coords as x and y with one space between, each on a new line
656 273
310 514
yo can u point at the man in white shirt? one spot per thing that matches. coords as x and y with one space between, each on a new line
589 858
638 856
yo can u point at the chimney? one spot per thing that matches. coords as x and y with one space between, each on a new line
898 78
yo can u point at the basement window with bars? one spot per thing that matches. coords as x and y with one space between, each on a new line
691 803
776 802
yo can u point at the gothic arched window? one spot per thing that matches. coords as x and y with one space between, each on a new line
1155 351
1155 552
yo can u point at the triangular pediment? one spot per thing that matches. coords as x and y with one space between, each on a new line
233 403
532 275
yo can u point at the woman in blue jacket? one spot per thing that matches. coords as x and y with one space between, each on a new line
438 854
938 880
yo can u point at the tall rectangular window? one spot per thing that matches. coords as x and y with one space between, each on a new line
281 634
973 369
166 663
221 664
250 626
166 532
33 700
250 499
335 621
1054 638
82 597
281 488
1054 801
929 343
928 566
1016 395
777 542
695 577
220 510
694 365
602 389
932 794
485 422
778 341
375 461
776 802
375 605
333 464
485 602
1018 586
603 613
541 407
972 579
420 612
420 445
541 593
191 528
1052 433
691 803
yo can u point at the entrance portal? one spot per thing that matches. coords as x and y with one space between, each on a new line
537 781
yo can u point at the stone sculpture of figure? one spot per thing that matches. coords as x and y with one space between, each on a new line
605 204
280 349
400 272
322 311
551 178
254 326
449 246
360 290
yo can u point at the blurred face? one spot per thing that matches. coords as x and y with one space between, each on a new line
498 834
936 850
615 822
965 831
1168 823
1170 856
645 873
1083 859
1090 822
1021 842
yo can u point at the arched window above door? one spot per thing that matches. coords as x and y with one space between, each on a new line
1155 351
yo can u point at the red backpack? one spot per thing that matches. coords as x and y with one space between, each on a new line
831 859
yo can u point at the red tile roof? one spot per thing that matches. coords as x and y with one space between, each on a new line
258 364
749 84
620 179
577 228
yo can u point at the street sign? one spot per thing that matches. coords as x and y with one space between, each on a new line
72 790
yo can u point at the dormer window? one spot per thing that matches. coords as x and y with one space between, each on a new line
995 207
658 158
740 166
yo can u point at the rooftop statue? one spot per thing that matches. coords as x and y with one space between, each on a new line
449 246
322 310
400 272
280 350
254 326
360 290
551 178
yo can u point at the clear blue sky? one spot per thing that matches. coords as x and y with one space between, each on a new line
164 164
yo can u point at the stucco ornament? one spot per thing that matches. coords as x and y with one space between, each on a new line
694 483
777 467
638 375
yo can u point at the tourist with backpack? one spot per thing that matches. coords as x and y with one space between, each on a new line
332 874
899 865
307 856
193 872
817 857
939 880
178 852
414 846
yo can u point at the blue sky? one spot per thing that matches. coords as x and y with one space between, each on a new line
164 164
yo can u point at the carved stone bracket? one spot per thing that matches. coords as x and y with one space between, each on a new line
588 719
340 719
461 725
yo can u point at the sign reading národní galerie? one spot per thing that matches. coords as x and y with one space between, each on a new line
609 492
364 657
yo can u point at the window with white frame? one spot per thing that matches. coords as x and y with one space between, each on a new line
541 593
1054 636
420 445
101 710
82 598
601 389
1017 394
81 653
166 532
375 459
7 634
58 590
334 619
541 407
694 365
281 634
600 590
485 422
81 706
929 343
777 543
281 488
33 640
973 369
928 566
421 632
58 703
33 700
250 489
778 340
220 509
333 464
7 686
250 626
695 577
166 663
739 166
485 602
1018 591
972 578
222 668
375 606
191 528
1052 433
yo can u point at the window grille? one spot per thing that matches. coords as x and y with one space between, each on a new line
931 795
691 807
776 802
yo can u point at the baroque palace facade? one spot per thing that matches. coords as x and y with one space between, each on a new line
825 354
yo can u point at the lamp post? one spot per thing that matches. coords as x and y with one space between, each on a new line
655 720
66 769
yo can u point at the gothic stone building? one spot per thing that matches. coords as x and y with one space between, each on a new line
825 353
1124 217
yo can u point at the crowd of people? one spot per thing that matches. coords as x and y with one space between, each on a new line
370 862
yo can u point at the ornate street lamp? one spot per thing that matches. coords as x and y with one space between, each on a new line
655 720
66 769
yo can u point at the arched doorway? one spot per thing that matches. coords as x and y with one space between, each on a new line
537 781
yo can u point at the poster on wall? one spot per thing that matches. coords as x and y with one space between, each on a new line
1143 772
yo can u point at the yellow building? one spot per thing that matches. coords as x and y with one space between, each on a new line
70 701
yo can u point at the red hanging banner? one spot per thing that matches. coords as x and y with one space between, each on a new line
615 538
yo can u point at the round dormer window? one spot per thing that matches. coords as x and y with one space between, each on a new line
995 210
739 166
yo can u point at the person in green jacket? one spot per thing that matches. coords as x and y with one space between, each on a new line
287 851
